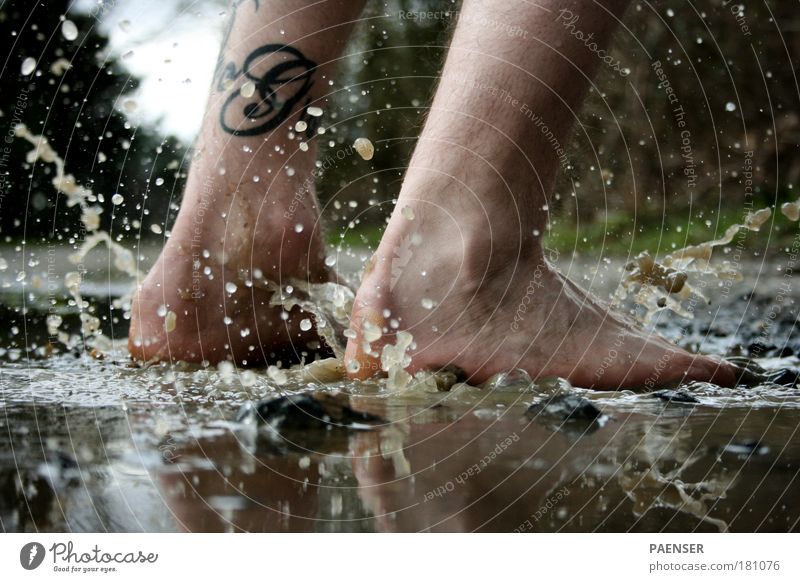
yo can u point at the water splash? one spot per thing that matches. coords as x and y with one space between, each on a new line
664 284
85 199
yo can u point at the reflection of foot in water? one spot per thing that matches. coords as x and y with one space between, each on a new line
249 207
461 264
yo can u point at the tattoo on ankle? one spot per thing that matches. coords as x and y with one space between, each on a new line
265 109
271 68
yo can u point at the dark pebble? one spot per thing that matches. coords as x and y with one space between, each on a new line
565 407
784 376
760 349
746 448
675 396
308 412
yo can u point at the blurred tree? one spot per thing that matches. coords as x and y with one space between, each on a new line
74 96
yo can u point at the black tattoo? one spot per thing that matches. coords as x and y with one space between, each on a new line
266 109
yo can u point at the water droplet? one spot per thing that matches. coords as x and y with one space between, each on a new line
226 370
230 287
372 332
227 320
330 261
156 229
161 311
314 111
427 303
407 212
117 199
159 181
730 106
248 377
364 148
170 321
248 90
305 324
300 126
28 66
298 227
277 375
69 30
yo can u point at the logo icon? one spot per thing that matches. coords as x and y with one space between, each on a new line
31 555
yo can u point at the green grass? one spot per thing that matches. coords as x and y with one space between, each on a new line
615 235
363 236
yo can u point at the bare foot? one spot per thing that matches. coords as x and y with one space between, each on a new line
484 299
226 242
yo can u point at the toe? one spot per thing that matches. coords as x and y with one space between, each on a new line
711 369
359 364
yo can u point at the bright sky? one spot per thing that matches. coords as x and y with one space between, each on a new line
171 46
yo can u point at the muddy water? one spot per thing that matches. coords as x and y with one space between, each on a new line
99 445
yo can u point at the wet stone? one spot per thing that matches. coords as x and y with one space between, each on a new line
308 411
565 407
788 377
680 396
746 448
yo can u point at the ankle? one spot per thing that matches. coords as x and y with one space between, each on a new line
475 220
